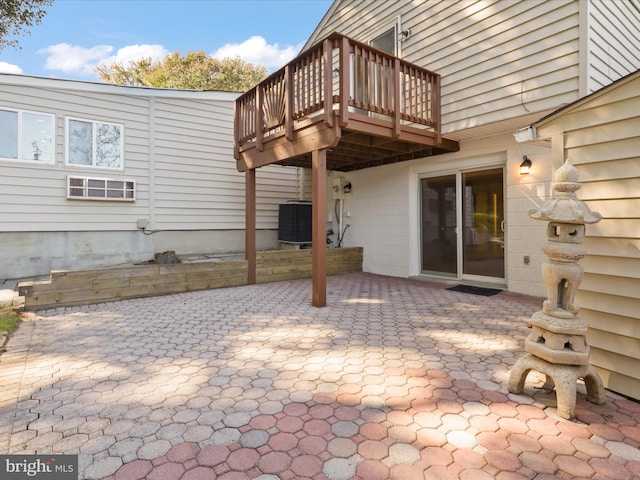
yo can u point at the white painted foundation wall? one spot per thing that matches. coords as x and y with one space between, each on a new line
34 254
383 209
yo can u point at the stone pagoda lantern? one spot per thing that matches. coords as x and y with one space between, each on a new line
557 345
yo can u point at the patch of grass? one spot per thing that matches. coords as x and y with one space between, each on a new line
9 319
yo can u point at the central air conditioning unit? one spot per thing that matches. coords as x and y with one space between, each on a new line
294 222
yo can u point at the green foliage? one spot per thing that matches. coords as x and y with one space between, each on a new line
9 319
17 16
195 70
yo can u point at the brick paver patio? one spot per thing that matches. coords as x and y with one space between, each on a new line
394 379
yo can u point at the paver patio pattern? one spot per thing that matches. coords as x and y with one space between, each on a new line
394 379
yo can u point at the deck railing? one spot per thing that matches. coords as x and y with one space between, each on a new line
344 76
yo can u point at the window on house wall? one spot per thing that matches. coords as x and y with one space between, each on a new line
94 144
89 188
372 82
386 41
27 136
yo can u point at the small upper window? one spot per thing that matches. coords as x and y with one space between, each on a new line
27 136
386 41
94 144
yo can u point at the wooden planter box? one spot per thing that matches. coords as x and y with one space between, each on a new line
84 287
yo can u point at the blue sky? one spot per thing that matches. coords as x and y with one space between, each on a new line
77 35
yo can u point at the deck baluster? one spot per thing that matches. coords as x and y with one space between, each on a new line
395 85
289 88
345 87
327 78
259 120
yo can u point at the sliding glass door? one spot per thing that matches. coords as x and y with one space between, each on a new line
439 243
462 225
483 224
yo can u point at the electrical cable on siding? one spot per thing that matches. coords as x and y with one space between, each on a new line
342 236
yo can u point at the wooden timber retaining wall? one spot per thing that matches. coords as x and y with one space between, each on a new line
84 287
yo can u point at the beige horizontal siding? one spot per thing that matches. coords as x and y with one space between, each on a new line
181 160
608 160
626 248
305 184
196 180
613 362
612 377
601 137
608 322
275 185
627 228
497 59
610 304
619 285
502 59
622 188
613 208
614 46
33 196
623 265
606 342
601 133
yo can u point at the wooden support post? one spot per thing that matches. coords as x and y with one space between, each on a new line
319 226
250 225
435 107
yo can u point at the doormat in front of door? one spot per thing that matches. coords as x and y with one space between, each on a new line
485 292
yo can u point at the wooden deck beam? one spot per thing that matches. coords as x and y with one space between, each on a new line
316 136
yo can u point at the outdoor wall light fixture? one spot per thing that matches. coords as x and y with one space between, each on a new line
347 187
404 34
525 166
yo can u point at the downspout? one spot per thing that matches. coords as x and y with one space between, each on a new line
584 45
152 163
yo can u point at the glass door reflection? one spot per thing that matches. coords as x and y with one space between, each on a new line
439 242
483 223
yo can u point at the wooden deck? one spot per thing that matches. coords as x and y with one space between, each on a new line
367 108
340 105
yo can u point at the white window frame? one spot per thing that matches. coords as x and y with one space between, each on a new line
90 188
20 155
94 124
379 33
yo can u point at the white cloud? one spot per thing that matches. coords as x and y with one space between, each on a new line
74 59
132 53
9 68
256 50
82 61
